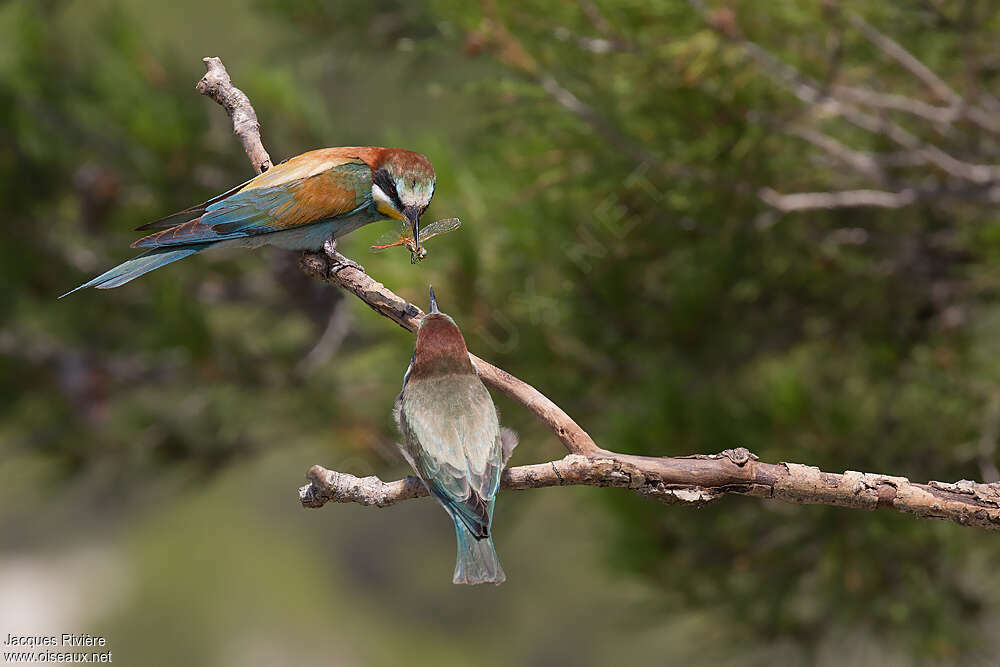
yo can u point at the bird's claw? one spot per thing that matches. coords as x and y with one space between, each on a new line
340 261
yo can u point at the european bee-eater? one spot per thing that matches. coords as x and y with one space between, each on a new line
298 204
453 441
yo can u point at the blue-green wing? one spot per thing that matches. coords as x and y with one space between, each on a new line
452 438
311 187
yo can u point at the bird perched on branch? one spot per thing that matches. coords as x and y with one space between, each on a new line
453 441
298 204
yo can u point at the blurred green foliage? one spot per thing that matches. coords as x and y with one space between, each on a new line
623 265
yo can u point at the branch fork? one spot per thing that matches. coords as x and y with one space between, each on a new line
695 479
865 109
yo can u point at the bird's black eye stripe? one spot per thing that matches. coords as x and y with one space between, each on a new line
382 179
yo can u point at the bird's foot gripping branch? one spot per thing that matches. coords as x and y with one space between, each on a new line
693 479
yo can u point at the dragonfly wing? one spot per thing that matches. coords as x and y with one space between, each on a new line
439 227
404 237
390 239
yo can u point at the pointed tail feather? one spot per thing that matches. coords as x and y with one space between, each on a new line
474 512
137 266
477 561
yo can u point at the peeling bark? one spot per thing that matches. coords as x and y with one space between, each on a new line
696 481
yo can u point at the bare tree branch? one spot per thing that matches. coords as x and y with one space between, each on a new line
692 479
809 91
864 163
699 480
909 62
942 117
331 486
217 85
958 107
804 201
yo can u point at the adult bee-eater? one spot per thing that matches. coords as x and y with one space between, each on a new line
298 204
453 441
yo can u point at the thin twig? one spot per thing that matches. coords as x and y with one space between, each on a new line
958 106
810 92
804 201
860 161
942 117
909 62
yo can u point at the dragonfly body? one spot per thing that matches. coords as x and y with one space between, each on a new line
298 204
404 237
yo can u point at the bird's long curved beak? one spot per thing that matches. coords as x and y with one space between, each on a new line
434 303
412 214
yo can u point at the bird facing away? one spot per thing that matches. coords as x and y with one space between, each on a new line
453 441
298 204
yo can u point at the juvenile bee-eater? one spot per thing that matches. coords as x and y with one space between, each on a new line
298 204
453 441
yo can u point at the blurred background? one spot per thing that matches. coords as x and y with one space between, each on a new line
693 226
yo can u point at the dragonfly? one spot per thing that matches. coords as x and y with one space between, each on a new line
404 237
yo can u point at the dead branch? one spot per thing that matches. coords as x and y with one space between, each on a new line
958 106
906 59
692 479
805 201
860 161
217 85
942 117
670 481
823 103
